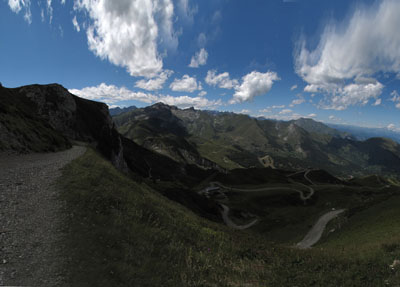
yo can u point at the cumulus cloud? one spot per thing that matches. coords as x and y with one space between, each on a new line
111 95
353 94
76 24
253 85
128 33
186 84
222 80
312 115
294 87
391 127
17 5
199 59
345 60
156 83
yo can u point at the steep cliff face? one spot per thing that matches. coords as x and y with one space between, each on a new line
61 116
22 129
48 118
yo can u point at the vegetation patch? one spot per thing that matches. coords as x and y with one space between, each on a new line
121 233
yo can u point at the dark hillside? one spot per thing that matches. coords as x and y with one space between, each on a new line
22 129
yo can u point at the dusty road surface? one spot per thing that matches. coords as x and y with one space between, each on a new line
315 233
31 218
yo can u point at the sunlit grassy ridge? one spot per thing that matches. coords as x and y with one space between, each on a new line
121 233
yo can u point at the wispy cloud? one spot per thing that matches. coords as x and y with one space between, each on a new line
345 63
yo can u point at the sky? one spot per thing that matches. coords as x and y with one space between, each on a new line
333 61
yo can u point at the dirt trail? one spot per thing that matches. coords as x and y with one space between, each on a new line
31 218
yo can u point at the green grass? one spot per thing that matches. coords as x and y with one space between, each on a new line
121 233
373 230
283 215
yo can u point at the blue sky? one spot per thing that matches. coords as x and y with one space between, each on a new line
334 61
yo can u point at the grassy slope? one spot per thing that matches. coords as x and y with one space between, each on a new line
121 233
376 228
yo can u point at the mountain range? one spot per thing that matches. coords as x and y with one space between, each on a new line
175 188
239 141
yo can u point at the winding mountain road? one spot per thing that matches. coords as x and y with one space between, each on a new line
32 218
302 196
230 223
314 235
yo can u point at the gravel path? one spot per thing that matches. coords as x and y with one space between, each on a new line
31 217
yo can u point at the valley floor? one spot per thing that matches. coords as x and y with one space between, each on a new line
31 218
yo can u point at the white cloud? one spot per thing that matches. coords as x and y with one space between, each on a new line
335 119
186 84
298 101
285 111
312 116
186 102
286 117
111 94
391 127
199 59
49 10
154 83
244 111
17 5
76 24
395 98
345 59
216 17
202 39
353 94
278 107
222 80
187 12
62 2
253 85
294 87
377 102
266 110
128 33
202 93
